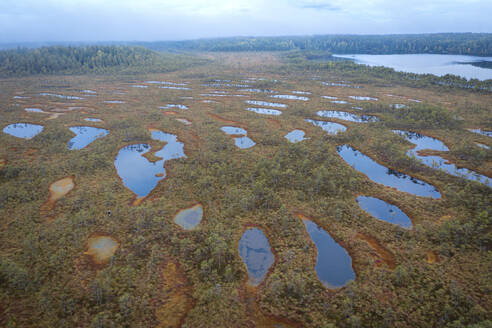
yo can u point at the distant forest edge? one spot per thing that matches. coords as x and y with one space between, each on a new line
473 44
90 59
476 44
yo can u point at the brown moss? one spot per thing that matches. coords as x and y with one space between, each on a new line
177 300
431 257
382 254
222 119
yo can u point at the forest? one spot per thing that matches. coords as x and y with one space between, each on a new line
86 59
476 44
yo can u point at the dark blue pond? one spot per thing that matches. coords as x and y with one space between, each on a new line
84 136
333 263
139 174
384 211
386 176
424 142
256 253
23 130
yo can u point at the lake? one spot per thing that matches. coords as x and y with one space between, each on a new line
439 65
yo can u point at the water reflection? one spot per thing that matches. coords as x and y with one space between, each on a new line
256 253
386 176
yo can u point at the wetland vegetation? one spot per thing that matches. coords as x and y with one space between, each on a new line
162 223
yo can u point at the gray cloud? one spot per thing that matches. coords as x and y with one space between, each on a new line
96 20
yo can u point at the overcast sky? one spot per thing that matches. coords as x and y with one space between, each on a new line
149 20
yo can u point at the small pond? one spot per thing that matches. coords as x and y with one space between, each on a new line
184 121
244 142
139 174
361 98
343 84
84 136
333 263
164 82
346 116
23 130
265 103
295 136
482 132
290 97
58 190
101 248
169 106
256 253
189 218
329 127
34 110
384 211
174 88
90 119
265 111
434 161
60 96
386 176
258 90
114 102
232 130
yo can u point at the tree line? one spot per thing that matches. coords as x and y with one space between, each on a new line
477 44
87 59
